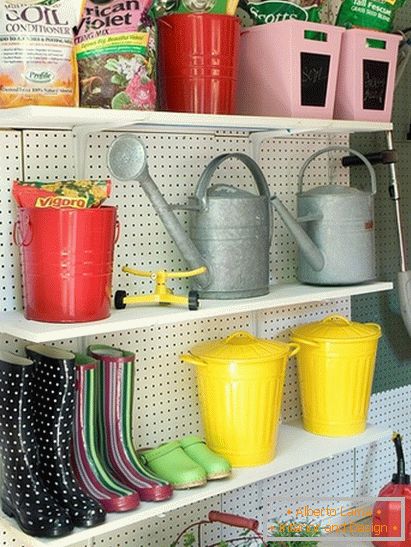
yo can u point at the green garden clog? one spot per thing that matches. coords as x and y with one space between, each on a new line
171 463
214 465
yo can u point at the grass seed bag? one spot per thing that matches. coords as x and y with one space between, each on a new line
115 47
37 64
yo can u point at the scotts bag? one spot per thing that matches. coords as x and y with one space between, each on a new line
37 64
373 14
115 48
273 11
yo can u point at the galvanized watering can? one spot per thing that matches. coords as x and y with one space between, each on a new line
230 229
334 230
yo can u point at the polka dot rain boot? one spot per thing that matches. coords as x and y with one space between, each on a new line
54 378
115 377
24 495
88 468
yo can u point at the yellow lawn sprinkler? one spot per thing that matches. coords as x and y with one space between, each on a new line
162 294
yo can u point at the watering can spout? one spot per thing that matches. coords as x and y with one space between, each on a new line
172 224
127 161
311 252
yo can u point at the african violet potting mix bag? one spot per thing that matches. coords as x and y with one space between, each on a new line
37 64
115 48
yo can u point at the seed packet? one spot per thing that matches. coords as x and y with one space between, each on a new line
81 194
115 49
373 14
273 11
37 63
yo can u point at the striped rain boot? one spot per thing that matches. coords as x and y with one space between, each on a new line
115 377
53 409
88 468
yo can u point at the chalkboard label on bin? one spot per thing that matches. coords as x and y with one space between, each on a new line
374 84
315 68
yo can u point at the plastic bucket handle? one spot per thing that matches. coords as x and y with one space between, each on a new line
240 334
373 180
294 349
307 343
336 316
192 360
347 321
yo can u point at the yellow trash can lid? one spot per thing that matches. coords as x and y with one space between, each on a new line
242 346
337 328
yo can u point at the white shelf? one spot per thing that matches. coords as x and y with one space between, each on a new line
135 317
296 448
45 117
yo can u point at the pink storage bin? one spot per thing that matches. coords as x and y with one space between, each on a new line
366 77
284 72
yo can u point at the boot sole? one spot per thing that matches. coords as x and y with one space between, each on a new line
90 523
194 484
121 504
53 533
218 476
156 493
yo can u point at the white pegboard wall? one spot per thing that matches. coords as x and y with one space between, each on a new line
161 531
333 477
176 163
10 169
166 405
376 463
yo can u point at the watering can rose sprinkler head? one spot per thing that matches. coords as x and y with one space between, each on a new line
127 161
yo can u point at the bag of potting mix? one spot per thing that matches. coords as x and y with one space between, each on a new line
115 48
37 63
73 194
372 14
273 11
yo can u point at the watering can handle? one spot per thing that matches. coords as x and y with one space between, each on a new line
255 170
373 181
201 190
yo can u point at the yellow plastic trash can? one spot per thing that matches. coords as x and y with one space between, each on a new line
335 372
240 384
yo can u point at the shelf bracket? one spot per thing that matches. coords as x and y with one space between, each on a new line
257 138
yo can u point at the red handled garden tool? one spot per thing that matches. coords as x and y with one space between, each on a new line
250 525
388 520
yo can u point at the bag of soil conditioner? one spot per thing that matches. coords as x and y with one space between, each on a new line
37 64
273 11
373 14
115 48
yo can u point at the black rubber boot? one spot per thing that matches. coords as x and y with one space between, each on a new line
24 494
54 385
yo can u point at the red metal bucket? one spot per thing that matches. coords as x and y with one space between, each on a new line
67 262
198 62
